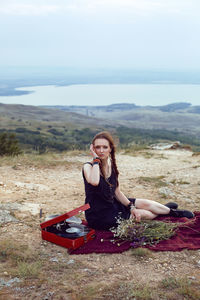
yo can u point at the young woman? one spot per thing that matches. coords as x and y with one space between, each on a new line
107 202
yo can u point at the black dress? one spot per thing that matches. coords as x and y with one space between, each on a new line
104 207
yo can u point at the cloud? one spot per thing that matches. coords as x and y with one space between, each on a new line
136 7
13 7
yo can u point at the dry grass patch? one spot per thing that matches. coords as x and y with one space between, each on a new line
147 292
118 291
141 252
145 154
11 251
5 295
156 181
134 148
29 270
103 291
196 167
167 289
181 181
182 288
196 153
47 160
19 259
144 151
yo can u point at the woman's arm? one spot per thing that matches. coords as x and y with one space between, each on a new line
124 200
92 171
121 197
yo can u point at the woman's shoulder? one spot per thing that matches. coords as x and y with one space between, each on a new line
86 166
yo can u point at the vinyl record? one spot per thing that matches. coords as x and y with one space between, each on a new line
74 220
82 227
73 230
71 236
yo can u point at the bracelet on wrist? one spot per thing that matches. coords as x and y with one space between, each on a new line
131 205
95 163
96 160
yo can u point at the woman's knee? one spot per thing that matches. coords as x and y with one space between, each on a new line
146 214
143 203
152 206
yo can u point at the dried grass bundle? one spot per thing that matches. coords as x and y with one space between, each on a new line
143 233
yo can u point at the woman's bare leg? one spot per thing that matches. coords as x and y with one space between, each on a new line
146 214
154 207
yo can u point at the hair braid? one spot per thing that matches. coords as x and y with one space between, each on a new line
114 164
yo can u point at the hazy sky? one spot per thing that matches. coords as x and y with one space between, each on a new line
100 33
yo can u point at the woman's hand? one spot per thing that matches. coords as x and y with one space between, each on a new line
136 214
92 151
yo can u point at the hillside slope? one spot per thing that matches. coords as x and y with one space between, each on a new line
65 128
41 114
176 116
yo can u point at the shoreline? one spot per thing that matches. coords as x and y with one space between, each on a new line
89 94
20 90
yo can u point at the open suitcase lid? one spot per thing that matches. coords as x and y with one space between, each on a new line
65 216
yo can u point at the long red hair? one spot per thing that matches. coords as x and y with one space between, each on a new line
107 136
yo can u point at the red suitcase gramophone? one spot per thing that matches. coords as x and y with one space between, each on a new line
67 230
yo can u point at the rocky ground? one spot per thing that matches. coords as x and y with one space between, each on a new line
33 187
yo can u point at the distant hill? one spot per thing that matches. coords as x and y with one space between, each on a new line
181 107
70 127
41 128
45 114
176 116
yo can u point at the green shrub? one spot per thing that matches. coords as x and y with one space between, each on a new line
9 144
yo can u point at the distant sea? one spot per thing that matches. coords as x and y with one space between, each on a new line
106 94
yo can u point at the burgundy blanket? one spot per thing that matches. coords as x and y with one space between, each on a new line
187 237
